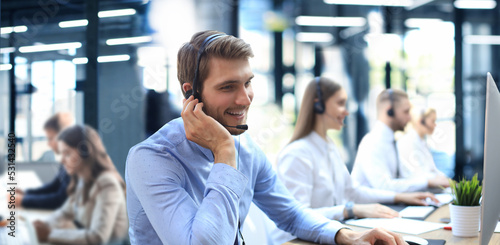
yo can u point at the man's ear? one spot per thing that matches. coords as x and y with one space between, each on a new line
186 87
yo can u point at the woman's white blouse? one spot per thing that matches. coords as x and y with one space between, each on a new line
314 172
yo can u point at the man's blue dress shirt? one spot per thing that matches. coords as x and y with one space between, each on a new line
177 195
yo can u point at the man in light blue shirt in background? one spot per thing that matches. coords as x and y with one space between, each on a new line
192 181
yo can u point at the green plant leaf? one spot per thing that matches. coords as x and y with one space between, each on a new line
466 192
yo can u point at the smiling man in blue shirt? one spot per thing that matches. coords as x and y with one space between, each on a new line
192 182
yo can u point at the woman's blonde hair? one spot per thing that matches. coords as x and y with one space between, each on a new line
307 116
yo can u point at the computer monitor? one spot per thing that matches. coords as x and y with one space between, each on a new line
490 210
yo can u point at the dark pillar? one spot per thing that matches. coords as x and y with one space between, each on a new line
387 74
90 99
318 61
235 18
460 154
388 29
12 83
12 88
278 59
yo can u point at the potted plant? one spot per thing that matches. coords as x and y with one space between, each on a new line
465 209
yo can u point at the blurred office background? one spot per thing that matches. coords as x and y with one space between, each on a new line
113 64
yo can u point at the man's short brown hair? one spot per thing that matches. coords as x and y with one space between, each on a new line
59 121
226 47
392 96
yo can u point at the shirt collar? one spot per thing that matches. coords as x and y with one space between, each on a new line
414 134
384 131
320 143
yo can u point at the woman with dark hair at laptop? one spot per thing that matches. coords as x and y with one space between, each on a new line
312 169
95 211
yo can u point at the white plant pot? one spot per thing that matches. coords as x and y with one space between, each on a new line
465 220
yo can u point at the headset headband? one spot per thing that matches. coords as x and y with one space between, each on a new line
201 50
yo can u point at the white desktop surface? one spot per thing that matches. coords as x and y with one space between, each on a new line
25 179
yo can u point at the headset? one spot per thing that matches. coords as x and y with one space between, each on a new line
422 121
319 106
201 50
194 90
390 112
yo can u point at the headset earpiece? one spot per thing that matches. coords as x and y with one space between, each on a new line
319 106
390 112
188 93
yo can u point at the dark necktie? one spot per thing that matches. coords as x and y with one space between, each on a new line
397 159
239 232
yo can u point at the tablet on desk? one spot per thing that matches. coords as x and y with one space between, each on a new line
416 212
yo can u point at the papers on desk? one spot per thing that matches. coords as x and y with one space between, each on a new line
419 212
408 226
497 229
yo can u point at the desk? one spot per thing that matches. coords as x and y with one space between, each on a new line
442 212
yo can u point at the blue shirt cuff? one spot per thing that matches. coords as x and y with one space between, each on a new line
225 175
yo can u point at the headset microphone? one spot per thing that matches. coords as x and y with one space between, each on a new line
242 127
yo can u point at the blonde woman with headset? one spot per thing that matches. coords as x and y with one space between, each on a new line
415 153
312 169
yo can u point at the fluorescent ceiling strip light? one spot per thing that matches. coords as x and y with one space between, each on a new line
314 37
10 29
482 39
115 13
49 47
7 50
101 14
395 3
476 4
80 61
418 22
129 40
103 59
73 23
329 21
113 58
5 67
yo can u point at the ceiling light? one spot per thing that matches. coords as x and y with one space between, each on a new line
329 21
314 37
80 61
476 4
395 3
419 22
101 14
5 67
10 29
129 40
49 47
7 50
103 59
73 23
116 12
113 58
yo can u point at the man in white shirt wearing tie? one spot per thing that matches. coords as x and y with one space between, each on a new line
377 163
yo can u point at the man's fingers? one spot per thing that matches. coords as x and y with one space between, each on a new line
386 236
